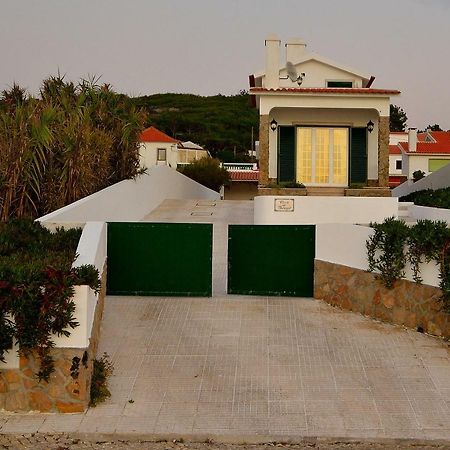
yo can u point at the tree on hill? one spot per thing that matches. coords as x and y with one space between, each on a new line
434 127
398 119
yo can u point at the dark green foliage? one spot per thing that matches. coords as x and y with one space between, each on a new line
217 122
427 241
397 119
386 252
207 171
440 198
103 368
37 286
418 175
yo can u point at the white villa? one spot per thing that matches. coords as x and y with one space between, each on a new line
321 123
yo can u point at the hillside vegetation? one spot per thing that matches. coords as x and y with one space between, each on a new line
220 123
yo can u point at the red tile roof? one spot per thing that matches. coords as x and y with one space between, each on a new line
394 150
441 146
396 180
348 91
152 134
250 175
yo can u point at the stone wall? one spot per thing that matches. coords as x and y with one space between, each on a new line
263 149
383 152
410 304
68 388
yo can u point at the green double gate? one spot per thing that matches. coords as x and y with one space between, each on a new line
175 259
159 259
271 260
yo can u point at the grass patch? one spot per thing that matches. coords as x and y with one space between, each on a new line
103 369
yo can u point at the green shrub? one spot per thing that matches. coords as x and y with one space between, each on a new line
207 171
440 198
37 286
103 368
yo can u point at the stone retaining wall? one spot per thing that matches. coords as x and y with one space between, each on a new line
69 385
410 304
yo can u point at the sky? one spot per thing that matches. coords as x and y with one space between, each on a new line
206 47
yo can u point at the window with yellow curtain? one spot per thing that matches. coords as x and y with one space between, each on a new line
322 155
304 155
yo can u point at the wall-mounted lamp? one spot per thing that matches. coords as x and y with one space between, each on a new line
370 126
273 125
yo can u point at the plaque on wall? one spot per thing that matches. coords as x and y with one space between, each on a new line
284 204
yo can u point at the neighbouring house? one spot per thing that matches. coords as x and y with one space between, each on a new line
428 151
189 152
160 149
321 124
244 181
396 176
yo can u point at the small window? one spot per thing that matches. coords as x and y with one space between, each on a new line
340 84
398 164
162 156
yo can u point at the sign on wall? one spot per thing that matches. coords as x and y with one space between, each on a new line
284 204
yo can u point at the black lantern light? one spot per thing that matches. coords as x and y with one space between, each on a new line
273 125
370 126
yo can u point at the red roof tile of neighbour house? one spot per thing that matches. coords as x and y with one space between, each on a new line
394 150
440 146
152 134
244 175
348 91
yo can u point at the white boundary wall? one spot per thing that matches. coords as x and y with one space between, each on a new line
317 210
131 200
345 244
437 180
91 250
425 212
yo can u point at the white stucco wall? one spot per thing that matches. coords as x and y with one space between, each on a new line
148 152
331 117
317 74
317 210
425 212
345 244
392 164
131 200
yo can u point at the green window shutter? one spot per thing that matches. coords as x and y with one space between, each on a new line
358 155
286 154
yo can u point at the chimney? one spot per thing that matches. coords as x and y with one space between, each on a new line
272 62
412 139
295 49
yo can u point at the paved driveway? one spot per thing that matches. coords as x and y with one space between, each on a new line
269 366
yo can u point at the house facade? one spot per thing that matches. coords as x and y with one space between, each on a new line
157 149
321 124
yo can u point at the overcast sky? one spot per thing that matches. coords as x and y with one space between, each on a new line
211 46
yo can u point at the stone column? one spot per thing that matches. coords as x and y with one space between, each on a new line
263 150
383 152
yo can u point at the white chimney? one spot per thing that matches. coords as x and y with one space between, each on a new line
272 80
295 49
412 139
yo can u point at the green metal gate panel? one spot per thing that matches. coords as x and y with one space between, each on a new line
271 260
163 259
